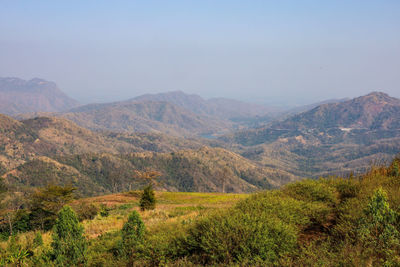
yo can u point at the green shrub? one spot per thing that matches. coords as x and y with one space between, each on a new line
312 191
104 210
378 233
238 237
38 240
148 199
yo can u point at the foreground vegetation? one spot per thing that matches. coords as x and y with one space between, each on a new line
335 221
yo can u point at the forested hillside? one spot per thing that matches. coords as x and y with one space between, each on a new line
48 150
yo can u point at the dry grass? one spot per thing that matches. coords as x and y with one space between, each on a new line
171 207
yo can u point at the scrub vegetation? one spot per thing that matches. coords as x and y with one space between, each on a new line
334 221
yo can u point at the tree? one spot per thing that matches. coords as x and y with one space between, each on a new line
395 168
148 199
13 204
69 244
148 176
378 233
47 202
132 233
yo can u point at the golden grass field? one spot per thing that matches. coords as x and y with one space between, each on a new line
171 207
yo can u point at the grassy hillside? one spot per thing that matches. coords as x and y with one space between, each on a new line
327 222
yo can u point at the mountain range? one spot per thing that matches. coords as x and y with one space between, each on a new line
248 147
331 138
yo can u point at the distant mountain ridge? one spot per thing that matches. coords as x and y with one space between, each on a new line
144 117
222 108
330 139
35 95
376 110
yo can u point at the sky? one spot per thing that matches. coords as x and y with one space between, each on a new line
274 52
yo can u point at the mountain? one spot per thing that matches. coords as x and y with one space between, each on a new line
222 108
373 111
147 116
304 108
21 96
329 139
173 113
42 150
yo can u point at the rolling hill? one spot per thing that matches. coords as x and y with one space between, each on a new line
38 151
145 117
333 138
221 108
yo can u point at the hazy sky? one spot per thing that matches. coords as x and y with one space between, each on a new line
266 51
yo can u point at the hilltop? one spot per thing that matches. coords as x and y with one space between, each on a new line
21 96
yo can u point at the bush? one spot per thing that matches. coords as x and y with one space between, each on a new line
104 211
148 199
239 237
312 191
86 211
21 221
69 244
378 233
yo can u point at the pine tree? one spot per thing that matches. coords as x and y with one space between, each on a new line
69 244
132 233
148 199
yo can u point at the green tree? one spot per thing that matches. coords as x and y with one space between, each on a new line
132 234
69 245
378 233
46 203
148 199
